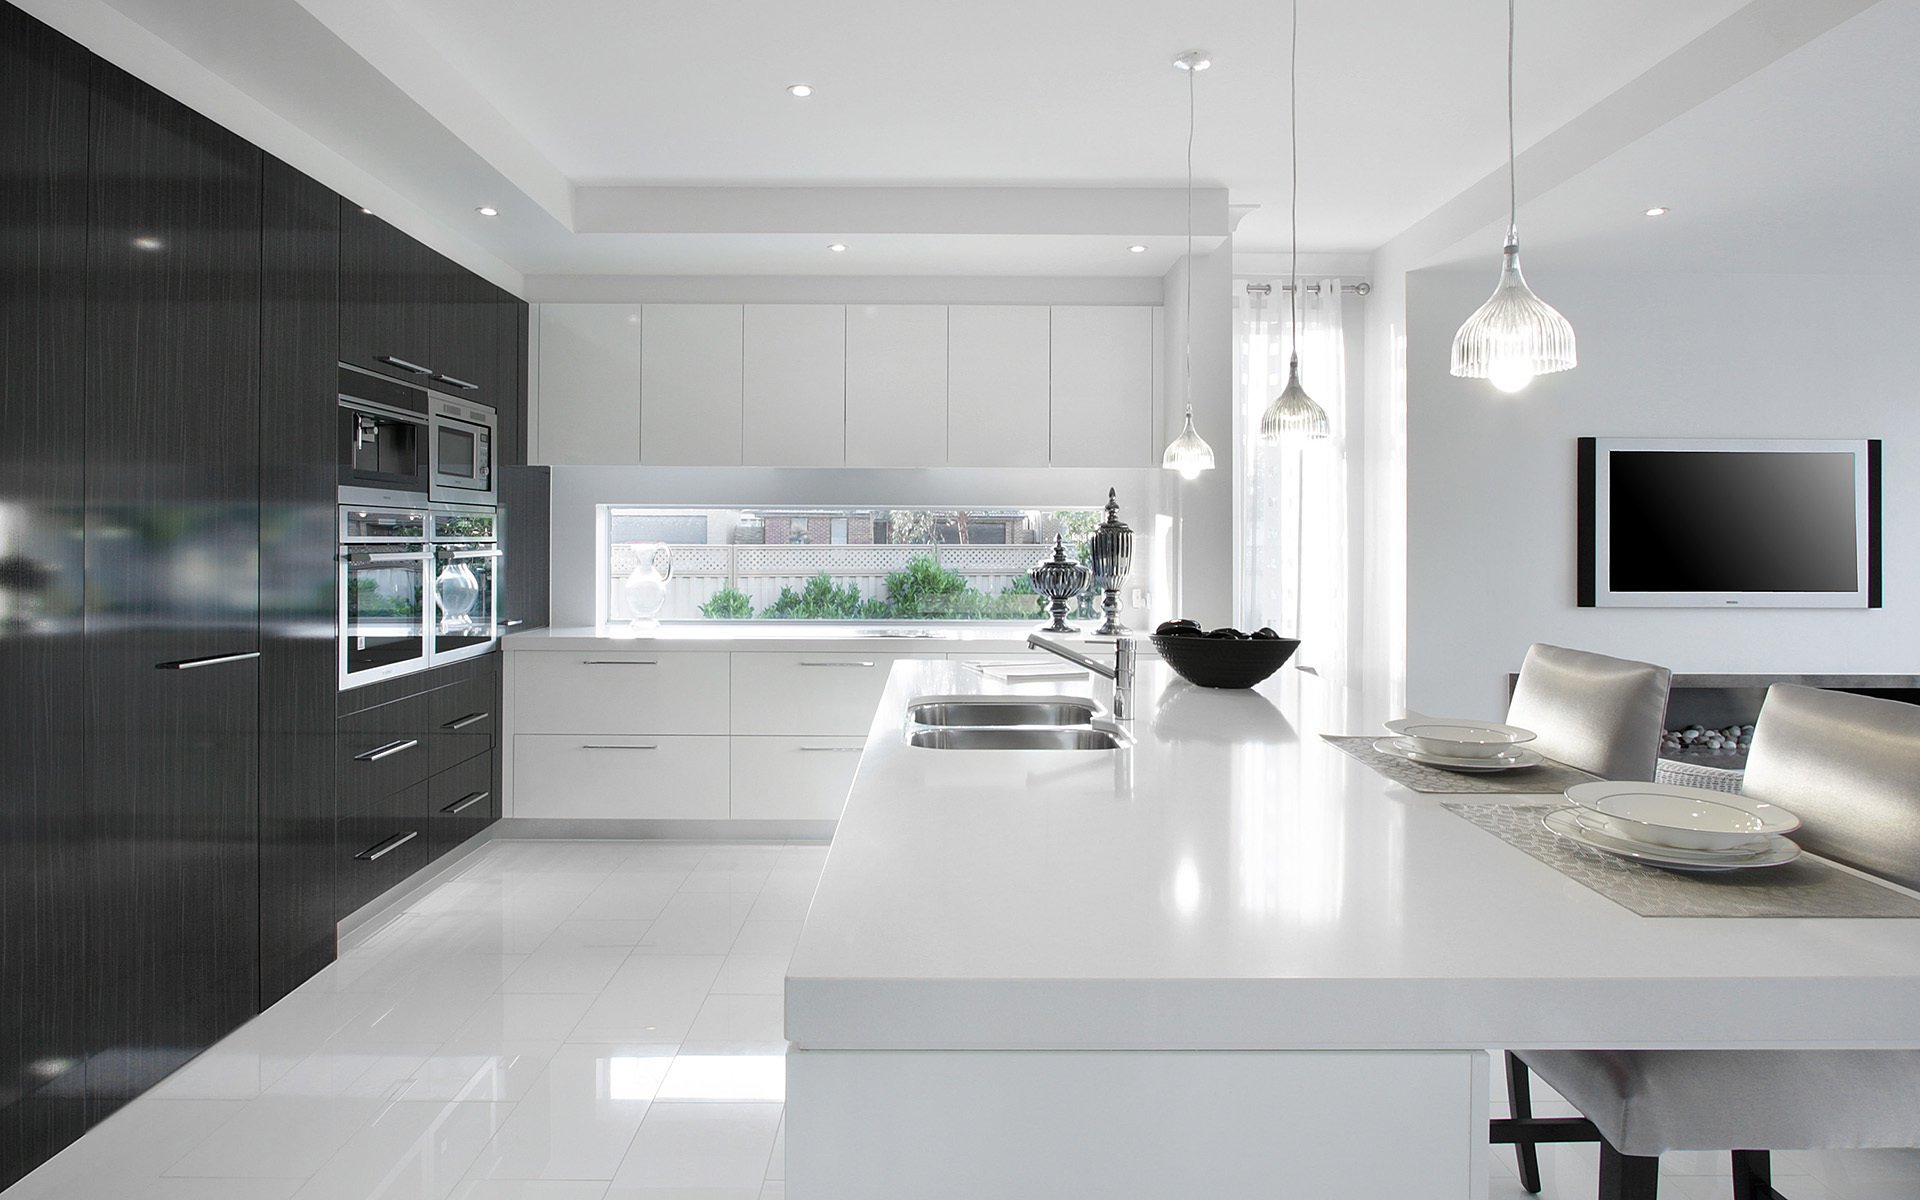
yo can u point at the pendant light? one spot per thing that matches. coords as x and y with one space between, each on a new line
1515 335
1189 453
1293 414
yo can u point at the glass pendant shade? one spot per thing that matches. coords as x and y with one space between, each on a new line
1188 453
1515 335
1293 414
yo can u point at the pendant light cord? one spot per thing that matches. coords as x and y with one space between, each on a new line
1513 188
1187 349
1293 118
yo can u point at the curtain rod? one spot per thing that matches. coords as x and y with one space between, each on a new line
1267 289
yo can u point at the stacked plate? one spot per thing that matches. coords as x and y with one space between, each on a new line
1459 745
1666 825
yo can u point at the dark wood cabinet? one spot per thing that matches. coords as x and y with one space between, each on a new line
526 506
300 339
463 346
510 344
44 87
172 604
387 292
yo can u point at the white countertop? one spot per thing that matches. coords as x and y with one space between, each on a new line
951 638
1234 882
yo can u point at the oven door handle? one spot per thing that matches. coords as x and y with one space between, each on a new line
493 553
359 559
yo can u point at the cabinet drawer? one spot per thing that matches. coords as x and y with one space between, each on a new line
621 692
383 750
793 778
460 803
380 846
824 693
613 775
465 719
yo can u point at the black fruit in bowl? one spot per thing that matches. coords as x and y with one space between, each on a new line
1224 657
1265 634
1228 632
1178 628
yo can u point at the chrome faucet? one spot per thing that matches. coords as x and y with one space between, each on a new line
1121 672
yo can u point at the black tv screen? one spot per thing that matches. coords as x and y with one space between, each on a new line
1762 524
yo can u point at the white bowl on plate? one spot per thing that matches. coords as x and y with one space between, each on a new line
1662 814
1451 737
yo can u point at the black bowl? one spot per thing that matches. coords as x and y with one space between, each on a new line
1224 662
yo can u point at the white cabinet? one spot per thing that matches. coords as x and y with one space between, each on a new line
1102 408
896 385
818 693
999 367
587 408
690 384
603 776
621 692
793 778
794 385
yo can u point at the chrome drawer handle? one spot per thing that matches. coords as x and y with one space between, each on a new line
465 803
386 751
836 664
211 660
609 746
620 662
403 364
469 719
388 847
474 553
833 749
450 381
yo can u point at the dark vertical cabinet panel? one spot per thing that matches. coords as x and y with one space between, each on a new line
465 329
43 206
300 339
387 292
510 343
526 506
172 545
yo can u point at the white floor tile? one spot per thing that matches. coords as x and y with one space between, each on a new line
579 970
717 1149
415 1151
579 1117
505 1072
586 932
651 998
277 1137
747 1020
768 937
752 974
697 923
777 1161
130 1147
216 1189
755 1075
531 1189
534 1016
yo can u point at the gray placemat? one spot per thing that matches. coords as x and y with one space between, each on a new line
1805 887
1549 777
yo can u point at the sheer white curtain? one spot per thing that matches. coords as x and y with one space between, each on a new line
1292 554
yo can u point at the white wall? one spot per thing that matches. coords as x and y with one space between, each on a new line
1202 509
1490 478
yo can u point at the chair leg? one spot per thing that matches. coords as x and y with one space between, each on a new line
1753 1175
1520 1107
1628 1176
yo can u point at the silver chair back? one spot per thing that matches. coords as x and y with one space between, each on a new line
1849 766
1597 713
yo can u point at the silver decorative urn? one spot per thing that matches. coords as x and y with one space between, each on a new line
1059 579
1111 552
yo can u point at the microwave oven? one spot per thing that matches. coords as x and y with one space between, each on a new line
461 436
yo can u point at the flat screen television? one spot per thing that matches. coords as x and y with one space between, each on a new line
1682 523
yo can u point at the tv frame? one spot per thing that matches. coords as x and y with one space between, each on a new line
1593 481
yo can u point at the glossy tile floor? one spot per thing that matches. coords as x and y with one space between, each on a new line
580 1021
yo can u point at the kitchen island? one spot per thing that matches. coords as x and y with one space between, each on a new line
1228 961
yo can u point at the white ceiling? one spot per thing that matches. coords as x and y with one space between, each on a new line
571 115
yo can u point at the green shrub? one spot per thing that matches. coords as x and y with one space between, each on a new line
728 604
819 600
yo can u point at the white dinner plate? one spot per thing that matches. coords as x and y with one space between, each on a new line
1687 818
1769 852
1452 737
1511 760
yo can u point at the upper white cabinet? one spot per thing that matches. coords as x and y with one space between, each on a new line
795 385
998 377
588 400
896 413
1102 410
690 384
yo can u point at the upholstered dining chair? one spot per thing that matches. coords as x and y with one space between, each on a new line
1849 766
1600 714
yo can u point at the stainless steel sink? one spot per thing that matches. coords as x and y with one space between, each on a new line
1006 738
969 711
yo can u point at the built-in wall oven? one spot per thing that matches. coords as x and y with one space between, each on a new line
466 584
462 451
383 441
386 565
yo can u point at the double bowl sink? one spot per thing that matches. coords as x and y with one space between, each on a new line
1010 723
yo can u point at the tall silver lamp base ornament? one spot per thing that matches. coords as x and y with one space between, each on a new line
1111 555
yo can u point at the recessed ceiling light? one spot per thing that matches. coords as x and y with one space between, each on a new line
1658 210
487 210
148 243
1194 60
365 209
838 247
1136 249
802 90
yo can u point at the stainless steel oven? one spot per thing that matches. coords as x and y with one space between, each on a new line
466 583
386 572
383 442
462 434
